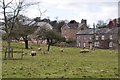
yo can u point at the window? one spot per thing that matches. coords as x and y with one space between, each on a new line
96 37
103 37
111 37
90 38
65 30
84 45
110 44
97 44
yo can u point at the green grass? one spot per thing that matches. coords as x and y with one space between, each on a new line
68 64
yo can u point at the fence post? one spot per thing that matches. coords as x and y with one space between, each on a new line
11 53
5 53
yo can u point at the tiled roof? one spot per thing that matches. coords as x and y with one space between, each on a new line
102 30
30 22
114 30
73 25
87 31
44 24
99 31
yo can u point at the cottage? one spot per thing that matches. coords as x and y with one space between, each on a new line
85 38
104 38
69 30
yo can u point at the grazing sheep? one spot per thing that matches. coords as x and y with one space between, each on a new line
61 50
84 51
39 49
33 53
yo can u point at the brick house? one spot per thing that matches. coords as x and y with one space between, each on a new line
69 30
104 38
85 38
113 38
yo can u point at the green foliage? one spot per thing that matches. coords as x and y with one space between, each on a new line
70 41
49 34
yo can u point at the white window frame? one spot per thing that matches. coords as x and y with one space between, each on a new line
110 44
103 37
90 37
97 44
111 37
84 44
96 37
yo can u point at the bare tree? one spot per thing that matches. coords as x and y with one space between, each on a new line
101 24
11 10
26 28
41 12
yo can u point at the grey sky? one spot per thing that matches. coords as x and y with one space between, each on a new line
92 10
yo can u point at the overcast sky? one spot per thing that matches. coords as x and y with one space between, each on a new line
92 10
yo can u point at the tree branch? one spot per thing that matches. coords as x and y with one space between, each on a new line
40 12
9 3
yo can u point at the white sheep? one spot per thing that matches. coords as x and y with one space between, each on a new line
61 50
33 53
84 51
39 49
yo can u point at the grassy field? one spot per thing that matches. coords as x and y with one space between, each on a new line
56 64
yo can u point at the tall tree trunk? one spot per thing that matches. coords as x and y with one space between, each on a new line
48 47
9 49
26 44
48 42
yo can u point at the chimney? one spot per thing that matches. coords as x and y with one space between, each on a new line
84 21
110 25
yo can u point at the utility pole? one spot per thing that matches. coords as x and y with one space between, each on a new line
94 35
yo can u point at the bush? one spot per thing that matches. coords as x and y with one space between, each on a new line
70 41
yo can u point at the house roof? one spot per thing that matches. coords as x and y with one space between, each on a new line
28 22
38 24
114 30
44 25
99 31
73 25
102 30
87 31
